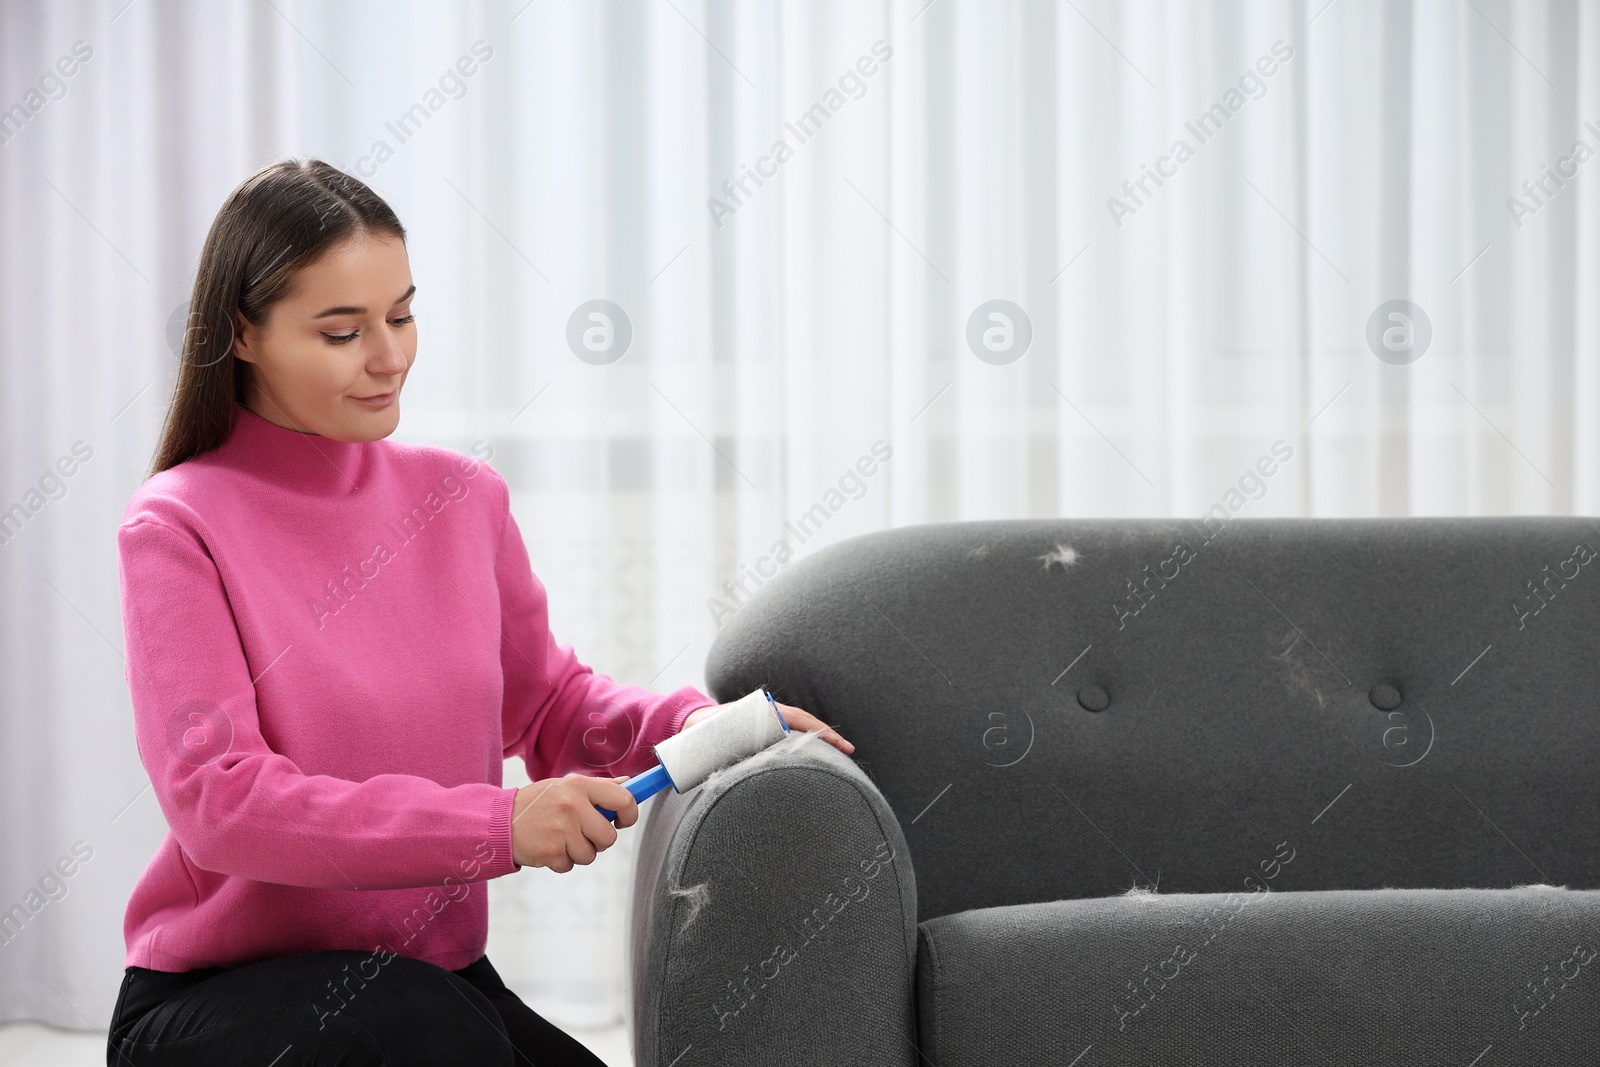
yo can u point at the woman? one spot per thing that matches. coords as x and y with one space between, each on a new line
333 642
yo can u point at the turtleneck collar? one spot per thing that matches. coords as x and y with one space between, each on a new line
306 461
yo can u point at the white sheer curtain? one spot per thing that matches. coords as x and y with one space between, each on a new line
1175 336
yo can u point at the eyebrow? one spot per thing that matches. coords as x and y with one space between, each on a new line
348 310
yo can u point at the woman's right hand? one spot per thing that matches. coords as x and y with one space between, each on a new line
554 823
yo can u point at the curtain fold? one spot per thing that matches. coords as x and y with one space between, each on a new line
714 284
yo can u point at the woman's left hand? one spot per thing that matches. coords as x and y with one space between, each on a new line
797 720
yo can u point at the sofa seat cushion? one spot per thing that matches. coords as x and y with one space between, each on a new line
1481 977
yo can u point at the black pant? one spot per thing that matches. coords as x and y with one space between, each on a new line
339 1007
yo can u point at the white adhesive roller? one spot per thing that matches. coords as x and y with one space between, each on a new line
737 731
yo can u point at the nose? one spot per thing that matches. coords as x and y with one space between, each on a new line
390 359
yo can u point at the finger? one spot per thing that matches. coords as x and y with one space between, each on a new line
791 714
593 832
804 720
581 850
586 832
612 797
800 719
836 741
620 778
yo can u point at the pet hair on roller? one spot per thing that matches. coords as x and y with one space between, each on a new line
686 759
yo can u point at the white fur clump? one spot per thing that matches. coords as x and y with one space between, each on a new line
1299 677
698 897
1145 893
980 552
1064 555
1538 885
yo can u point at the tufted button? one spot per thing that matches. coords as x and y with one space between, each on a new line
1384 697
1093 698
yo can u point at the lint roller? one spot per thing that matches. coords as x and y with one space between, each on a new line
686 759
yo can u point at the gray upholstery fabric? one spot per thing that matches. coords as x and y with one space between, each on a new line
1239 701
805 939
1408 976
1057 711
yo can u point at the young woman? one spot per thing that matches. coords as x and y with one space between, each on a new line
333 642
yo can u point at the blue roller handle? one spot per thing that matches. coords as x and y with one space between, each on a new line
642 786
646 785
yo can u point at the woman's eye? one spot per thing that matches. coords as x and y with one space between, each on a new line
346 338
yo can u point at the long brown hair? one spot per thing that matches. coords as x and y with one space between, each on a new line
276 221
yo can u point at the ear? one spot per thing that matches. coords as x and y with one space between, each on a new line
244 335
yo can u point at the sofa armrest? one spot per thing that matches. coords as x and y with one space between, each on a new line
774 908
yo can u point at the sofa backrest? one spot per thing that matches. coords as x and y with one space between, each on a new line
1074 708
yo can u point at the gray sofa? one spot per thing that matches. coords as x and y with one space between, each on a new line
1275 791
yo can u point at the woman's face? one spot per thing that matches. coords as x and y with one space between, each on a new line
333 354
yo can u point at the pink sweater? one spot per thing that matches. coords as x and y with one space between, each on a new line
331 647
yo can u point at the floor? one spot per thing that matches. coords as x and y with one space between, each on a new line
33 1045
